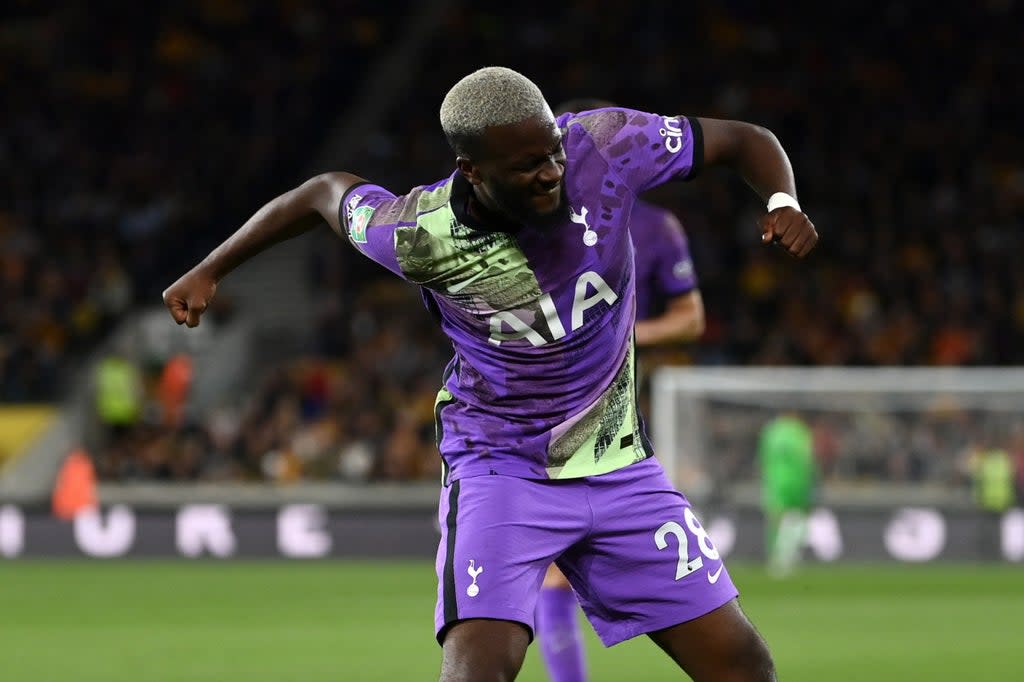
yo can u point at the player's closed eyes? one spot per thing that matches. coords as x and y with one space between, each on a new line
557 155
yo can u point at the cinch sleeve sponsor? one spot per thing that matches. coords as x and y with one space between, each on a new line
366 213
648 150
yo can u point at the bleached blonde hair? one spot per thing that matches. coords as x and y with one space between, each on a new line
491 96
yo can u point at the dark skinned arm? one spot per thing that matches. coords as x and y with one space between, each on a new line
288 215
758 157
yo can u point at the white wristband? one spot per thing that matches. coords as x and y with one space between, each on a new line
780 199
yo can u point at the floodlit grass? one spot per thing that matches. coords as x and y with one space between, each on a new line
258 622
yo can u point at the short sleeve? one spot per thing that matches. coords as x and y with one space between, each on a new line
367 214
646 150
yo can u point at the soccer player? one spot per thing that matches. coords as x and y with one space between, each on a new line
669 308
788 472
523 254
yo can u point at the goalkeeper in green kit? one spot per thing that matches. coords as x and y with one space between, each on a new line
788 474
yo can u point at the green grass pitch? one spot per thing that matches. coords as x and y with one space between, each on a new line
355 621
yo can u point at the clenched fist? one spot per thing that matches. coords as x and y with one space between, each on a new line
189 297
791 229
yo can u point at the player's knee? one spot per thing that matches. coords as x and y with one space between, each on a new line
481 667
467 672
745 659
752 661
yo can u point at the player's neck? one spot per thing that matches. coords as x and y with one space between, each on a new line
473 211
484 209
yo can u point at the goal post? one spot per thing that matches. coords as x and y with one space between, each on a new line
873 427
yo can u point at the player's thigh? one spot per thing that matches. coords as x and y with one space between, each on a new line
554 579
648 563
720 646
480 650
498 536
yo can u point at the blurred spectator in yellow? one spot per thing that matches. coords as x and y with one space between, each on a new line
993 478
992 481
1017 448
119 397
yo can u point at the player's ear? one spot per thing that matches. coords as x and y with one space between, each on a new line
468 169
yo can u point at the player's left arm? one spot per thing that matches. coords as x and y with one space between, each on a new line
683 320
756 154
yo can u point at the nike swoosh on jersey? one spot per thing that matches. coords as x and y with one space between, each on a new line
713 577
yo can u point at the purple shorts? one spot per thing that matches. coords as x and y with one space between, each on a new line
635 553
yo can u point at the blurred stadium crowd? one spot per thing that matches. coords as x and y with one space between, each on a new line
129 135
132 146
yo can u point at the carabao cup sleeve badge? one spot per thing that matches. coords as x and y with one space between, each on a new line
357 224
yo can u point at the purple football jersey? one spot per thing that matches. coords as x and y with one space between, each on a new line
541 318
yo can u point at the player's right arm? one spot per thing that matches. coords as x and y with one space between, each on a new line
287 216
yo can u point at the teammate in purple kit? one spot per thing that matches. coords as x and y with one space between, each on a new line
669 308
523 255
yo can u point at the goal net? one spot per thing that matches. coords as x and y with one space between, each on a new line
873 429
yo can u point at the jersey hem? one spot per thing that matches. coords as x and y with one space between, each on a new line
523 470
